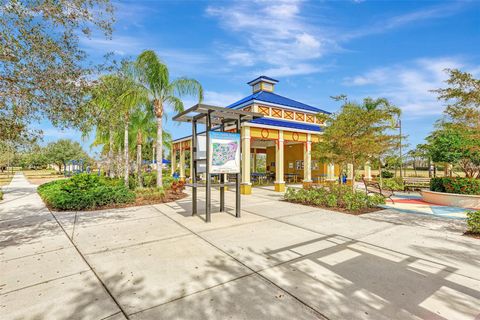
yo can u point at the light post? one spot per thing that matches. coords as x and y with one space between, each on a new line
399 126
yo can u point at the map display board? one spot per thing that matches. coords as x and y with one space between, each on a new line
225 152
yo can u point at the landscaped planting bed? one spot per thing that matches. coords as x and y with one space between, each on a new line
473 224
337 198
93 192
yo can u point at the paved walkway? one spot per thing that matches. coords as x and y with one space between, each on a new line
412 203
279 261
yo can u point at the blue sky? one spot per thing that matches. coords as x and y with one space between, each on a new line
316 49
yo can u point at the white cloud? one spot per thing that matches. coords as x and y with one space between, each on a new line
222 99
240 58
409 85
388 23
273 34
291 70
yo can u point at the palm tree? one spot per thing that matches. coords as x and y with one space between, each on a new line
132 98
153 74
143 129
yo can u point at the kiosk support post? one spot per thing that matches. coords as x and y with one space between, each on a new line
208 191
237 192
193 169
222 181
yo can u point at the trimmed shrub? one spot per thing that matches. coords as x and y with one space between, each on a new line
393 183
473 222
150 180
334 196
455 185
85 191
387 174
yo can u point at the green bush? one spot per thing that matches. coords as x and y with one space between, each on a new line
473 222
387 174
150 180
455 185
334 197
393 183
85 191
1 195
436 184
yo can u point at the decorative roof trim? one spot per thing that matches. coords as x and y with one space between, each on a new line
256 125
271 104
264 79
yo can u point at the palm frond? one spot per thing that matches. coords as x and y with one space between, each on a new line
187 87
152 73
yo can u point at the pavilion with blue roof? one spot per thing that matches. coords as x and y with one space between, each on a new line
276 147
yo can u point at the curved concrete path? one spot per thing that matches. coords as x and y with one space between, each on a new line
279 261
42 275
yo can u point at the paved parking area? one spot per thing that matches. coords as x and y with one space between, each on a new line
278 261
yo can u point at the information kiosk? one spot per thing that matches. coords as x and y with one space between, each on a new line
216 151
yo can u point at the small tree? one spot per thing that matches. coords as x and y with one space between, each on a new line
63 151
358 133
43 70
452 146
455 140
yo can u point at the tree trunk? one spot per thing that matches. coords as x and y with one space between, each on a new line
380 178
415 167
353 177
110 153
159 148
139 165
126 153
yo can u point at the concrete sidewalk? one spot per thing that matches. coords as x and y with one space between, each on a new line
278 261
42 275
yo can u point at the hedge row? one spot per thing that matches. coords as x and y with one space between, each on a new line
85 191
455 185
334 197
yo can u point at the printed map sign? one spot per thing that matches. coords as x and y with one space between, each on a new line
225 152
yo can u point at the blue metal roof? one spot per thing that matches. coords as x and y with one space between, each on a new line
271 97
262 77
287 124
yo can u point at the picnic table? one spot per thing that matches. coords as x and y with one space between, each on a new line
291 177
259 177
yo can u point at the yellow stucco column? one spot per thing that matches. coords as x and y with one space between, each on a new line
368 171
191 160
307 162
182 164
349 171
279 182
173 163
330 171
246 186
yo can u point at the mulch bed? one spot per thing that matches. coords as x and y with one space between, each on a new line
472 235
341 210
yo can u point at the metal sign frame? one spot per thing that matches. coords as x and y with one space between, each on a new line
215 119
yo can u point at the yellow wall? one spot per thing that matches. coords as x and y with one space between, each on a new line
295 152
270 158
